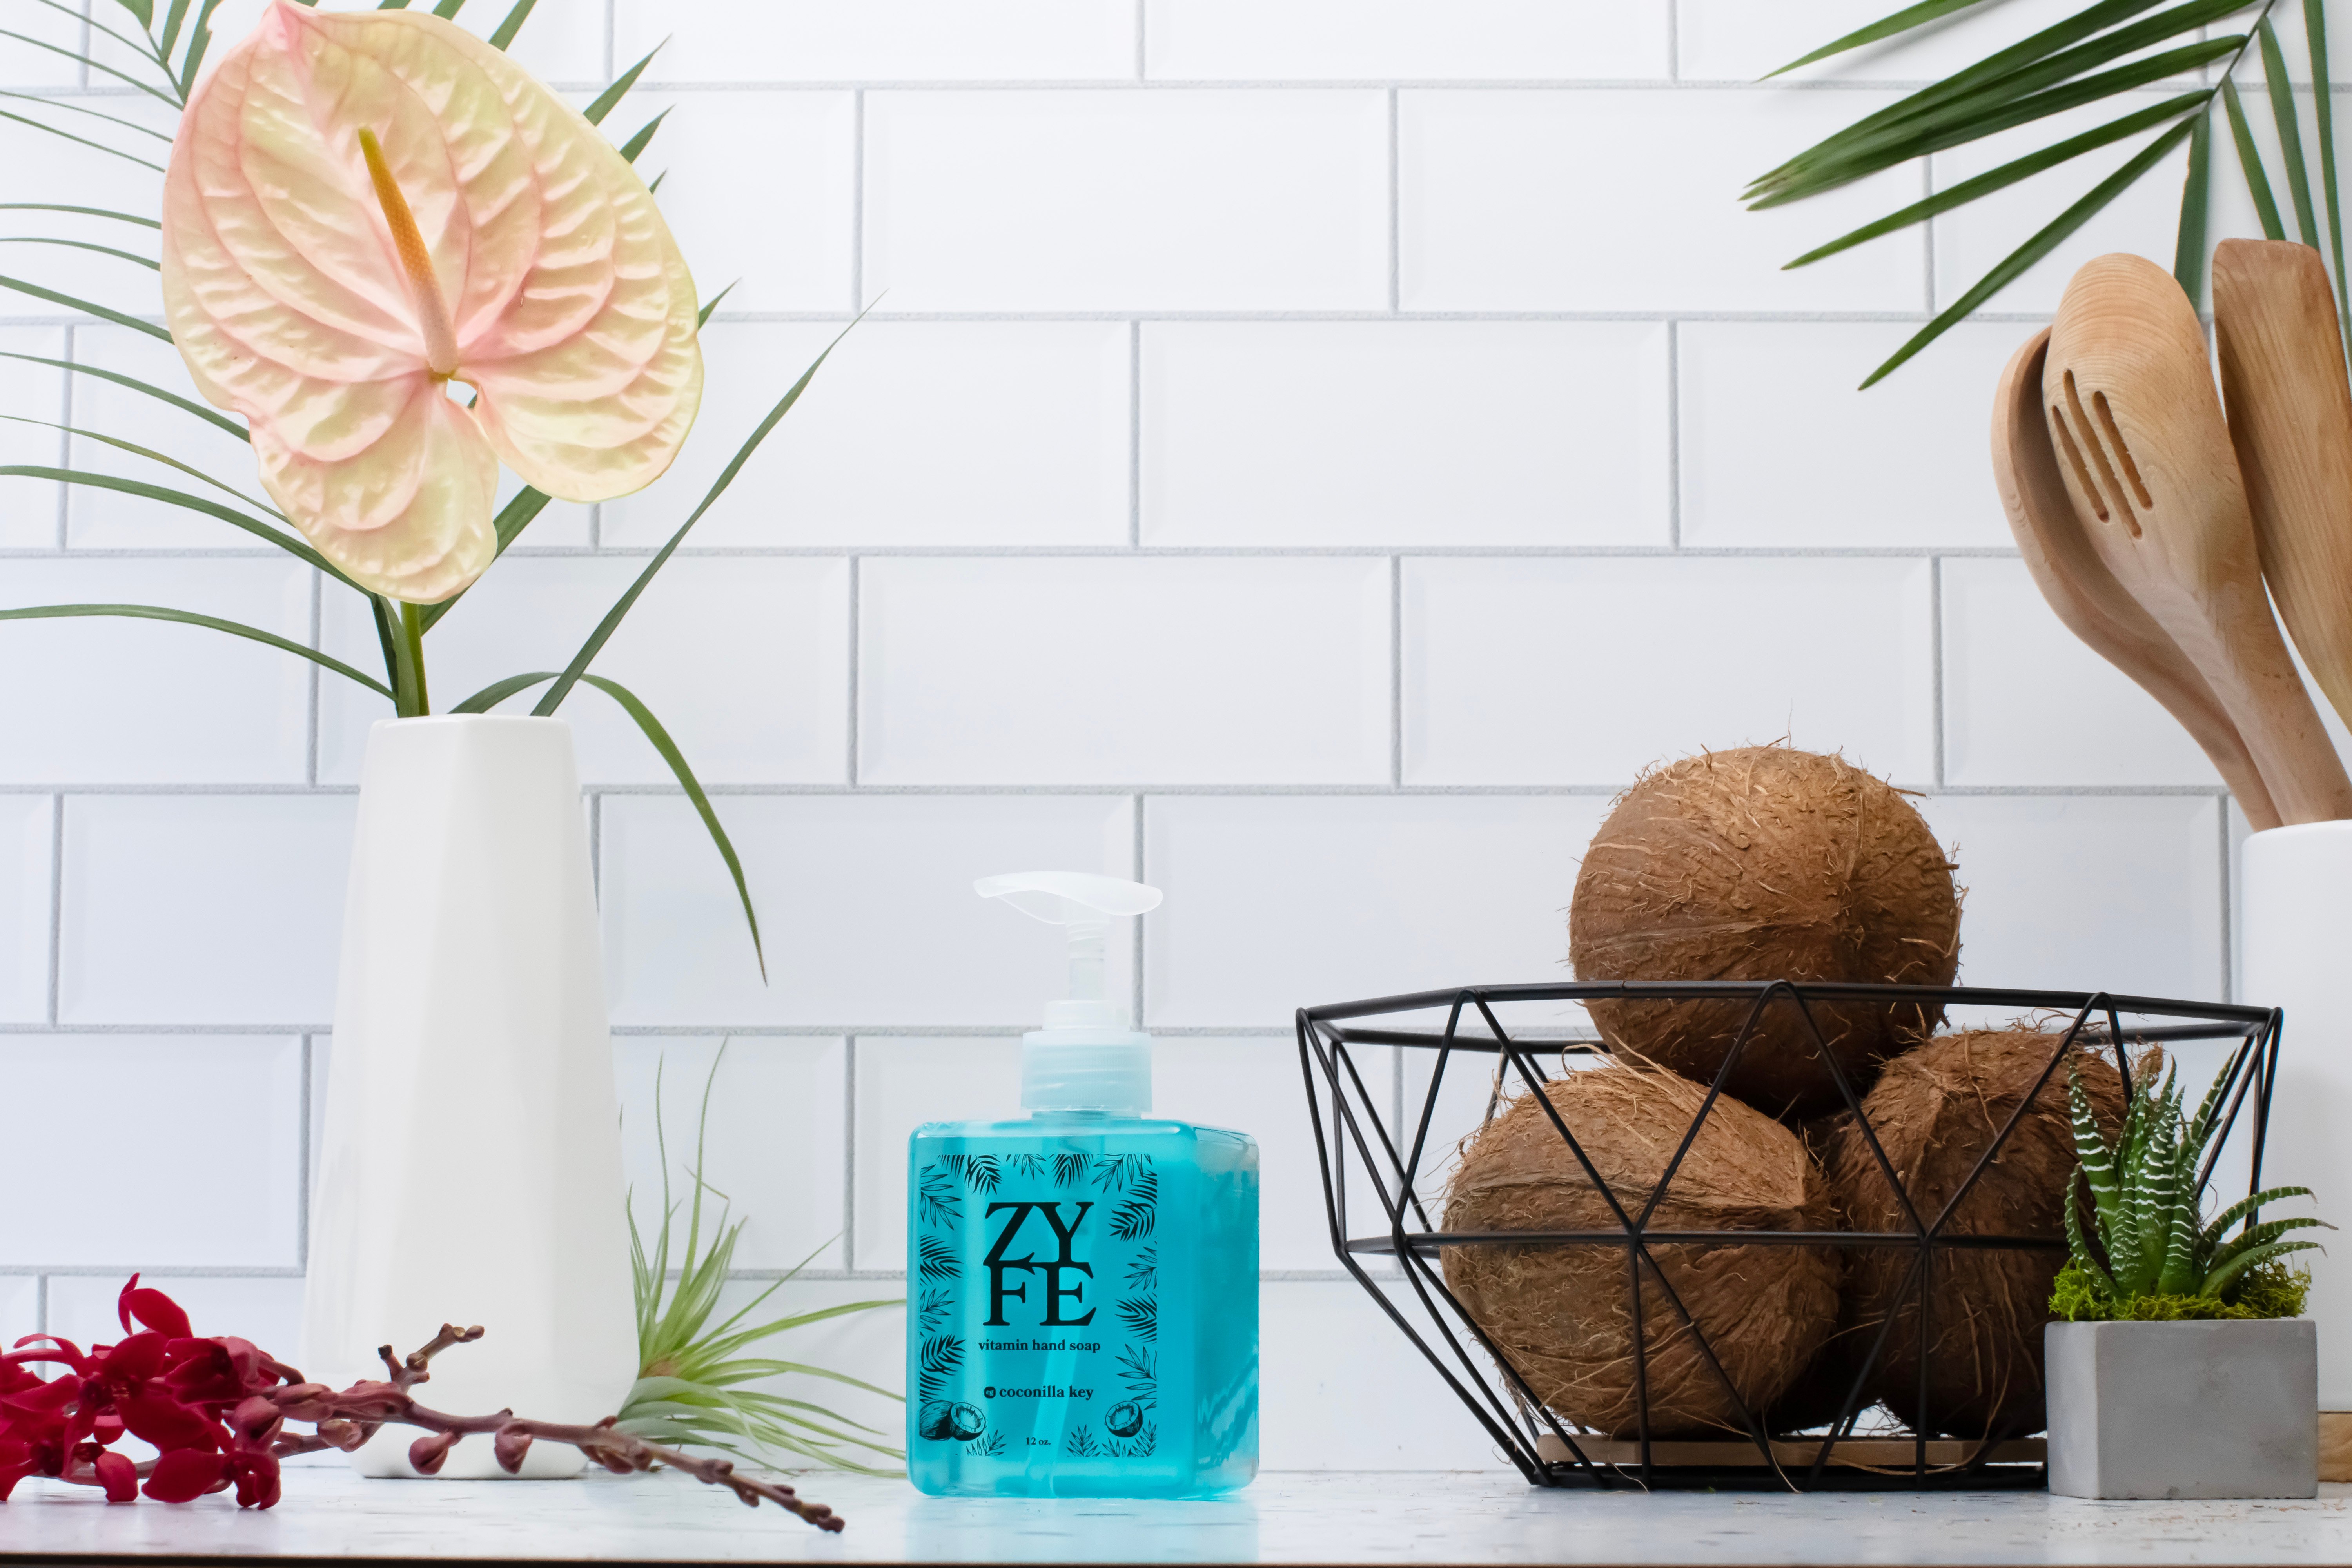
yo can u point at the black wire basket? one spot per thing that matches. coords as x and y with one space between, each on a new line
1364 1161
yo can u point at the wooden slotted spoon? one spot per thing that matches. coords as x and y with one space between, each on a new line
2291 421
2145 457
2084 594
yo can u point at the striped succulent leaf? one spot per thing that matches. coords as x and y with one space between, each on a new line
2098 1161
2246 1208
2077 1248
2227 1274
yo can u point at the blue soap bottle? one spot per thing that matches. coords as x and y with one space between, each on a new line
1081 1283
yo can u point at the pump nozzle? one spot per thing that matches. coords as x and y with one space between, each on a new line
1084 1057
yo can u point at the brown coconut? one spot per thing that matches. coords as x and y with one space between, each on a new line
1765 863
1562 1314
1935 1109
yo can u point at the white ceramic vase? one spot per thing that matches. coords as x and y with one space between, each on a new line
470 1171
2297 935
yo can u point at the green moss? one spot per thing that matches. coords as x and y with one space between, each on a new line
2269 1290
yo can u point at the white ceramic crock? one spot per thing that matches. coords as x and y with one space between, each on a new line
2297 954
471 1167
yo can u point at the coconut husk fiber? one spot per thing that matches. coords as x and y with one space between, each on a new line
1765 863
1562 1314
1935 1109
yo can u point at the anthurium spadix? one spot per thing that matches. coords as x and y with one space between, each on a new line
367 212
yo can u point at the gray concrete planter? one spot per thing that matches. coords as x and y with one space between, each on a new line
2184 1410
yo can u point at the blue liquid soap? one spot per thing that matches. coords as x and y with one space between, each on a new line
1082 1283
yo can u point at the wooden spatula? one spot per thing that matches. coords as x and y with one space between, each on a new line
2085 594
2144 455
2291 421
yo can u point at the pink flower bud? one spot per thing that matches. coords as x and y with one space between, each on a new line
428 1452
510 1445
256 1418
344 1434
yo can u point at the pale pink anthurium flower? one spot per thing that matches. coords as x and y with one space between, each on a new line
365 206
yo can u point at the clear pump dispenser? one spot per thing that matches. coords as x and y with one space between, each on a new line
1082 1283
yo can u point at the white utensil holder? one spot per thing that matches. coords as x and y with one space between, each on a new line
2296 932
470 1171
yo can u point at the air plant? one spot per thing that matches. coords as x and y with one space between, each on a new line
693 1372
2148 1253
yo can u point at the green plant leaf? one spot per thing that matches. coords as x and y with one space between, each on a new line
173 19
86 212
200 40
2011 266
83 140
2008 175
2195 190
199 410
490 696
613 617
594 113
637 143
190 618
2322 107
503 36
77 243
2250 160
1903 21
702 317
131 125
144 10
136 450
259 530
447 8
101 311
2250 1204
2289 133
93 64
2221 1278
139 45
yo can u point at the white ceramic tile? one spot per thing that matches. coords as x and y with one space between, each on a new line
1970 240
1504 204
1586 671
756 186
28 828
774 1144
2117 893
265 1309
745 662
1734 40
138 702
1310 40
1094 672
865 906
23 65
109 519
1120 200
901 1084
562 41
1418 432
560 525
2026 703
1779 449
204 909
892 40
1277 903
42 167
202 1163
1340 1387
1254 1087
28 508
958 433
20 1306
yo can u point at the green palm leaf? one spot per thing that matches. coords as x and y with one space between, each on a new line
230 515
190 618
1903 21
85 307
594 113
503 36
2290 133
210 416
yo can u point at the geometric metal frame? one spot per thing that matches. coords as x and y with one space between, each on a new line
1348 1122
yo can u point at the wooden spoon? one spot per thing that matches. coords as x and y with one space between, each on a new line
2291 422
2085 594
2145 455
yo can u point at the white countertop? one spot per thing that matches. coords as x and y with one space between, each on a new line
1287 1516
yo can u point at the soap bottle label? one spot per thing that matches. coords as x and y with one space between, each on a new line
1037 1305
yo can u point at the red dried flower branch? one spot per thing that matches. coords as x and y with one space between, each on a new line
215 1410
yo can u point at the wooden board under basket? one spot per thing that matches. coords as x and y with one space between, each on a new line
1871 1453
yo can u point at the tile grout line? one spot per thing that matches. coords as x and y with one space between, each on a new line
1135 435
857 201
1135 959
1936 705
41 1303
57 901
856 592
1396 217
306 1176
1396 671
1674 438
849 1151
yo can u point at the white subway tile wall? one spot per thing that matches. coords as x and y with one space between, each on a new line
1308 454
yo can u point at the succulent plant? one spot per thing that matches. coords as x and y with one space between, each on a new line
2147 1237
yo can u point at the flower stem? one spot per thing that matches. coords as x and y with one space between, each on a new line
410 699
